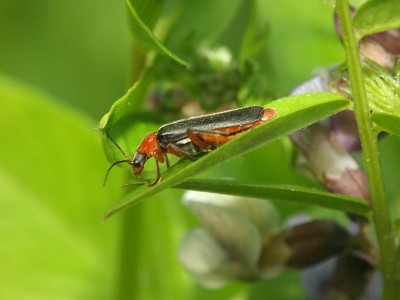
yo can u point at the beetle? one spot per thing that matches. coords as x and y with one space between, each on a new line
192 136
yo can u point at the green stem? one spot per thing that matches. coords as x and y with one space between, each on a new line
129 254
381 216
129 250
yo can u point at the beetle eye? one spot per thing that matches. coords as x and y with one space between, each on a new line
139 160
136 163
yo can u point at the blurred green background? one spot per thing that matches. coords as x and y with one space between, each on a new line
62 65
78 51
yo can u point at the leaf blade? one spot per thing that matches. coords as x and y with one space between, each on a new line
376 16
283 193
294 113
51 199
145 37
387 122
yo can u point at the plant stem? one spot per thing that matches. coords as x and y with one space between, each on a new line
381 216
126 288
129 255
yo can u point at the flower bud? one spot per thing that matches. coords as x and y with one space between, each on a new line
382 47
314 241
228 245
330 163
347 276
345 128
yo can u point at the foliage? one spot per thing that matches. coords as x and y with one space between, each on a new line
221 53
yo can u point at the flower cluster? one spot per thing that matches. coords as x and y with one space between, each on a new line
241 238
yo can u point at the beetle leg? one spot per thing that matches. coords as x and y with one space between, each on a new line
175 150
159 156
158 179
129 184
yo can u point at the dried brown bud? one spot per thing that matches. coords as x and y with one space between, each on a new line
352 275
315 241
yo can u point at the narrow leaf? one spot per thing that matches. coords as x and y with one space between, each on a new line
145 37
149 10
376 16
256 34
387 122
293 113
128 104
122 112
289 194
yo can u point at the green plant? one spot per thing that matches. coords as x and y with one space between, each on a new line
223 54
294 113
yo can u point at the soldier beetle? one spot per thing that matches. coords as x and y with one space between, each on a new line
192 136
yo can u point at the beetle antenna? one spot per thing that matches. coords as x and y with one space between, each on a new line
109 169
127 159
116 145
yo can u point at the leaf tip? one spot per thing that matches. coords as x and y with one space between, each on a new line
106 216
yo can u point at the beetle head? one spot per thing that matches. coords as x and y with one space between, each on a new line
143 153
137 163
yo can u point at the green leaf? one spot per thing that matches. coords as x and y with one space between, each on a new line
51 201
128 104
255 38
204 21
141 31
241 23
247 33
293 113
382 87
387 122
125 112
289 194
376 16
149 10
